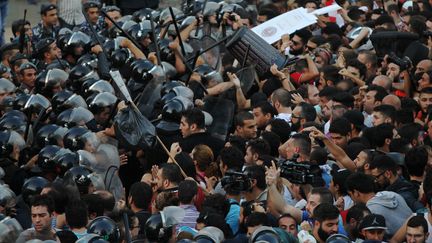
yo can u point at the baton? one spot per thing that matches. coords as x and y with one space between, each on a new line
155 41
177 31
121 30
22 33
94 32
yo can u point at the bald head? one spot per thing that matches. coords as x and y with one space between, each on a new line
383 81
424 66
392 100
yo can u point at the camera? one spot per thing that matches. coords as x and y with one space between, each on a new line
404 63
300 173
236 181
427 33
232 17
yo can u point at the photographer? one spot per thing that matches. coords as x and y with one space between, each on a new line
233 189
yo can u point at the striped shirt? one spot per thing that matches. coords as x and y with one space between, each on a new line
70 11
191 215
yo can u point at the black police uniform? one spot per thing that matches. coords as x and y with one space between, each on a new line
40 31
41 47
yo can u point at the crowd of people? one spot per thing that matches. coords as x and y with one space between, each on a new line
132 123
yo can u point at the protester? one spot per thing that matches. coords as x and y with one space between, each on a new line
129 121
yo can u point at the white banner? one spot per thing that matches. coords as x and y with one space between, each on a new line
287 23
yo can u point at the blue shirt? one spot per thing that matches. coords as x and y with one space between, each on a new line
232 218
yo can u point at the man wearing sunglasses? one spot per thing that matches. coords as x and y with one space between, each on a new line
298 42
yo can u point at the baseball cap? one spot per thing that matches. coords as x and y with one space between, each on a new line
373 221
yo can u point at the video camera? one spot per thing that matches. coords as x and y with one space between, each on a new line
300 173
236 181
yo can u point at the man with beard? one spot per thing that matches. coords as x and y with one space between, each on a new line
297 44
384 169
392 206
263 113
326 221
301 114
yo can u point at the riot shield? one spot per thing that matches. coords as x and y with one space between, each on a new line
247 77
10 229
212 56
222 111
151 92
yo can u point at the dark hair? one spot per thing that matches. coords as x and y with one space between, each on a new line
387 111
400 145
94 204
257 172
273 141
44 201
304 34
308 111
383 163
381 133
324 193
317 39
141 194
171 172
356 212
259 146
355 63
325 211
269 12
186 191
339 178
241 117
232 157
303 142
281 128
77 214
410 131
360 182
266 108
331 73
418 24
59 194
195 116
319 156
256 219
416 160
417 221
335 42
107 200
283 96
218 203
404 116
380 92
340 126
344 98
18 25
